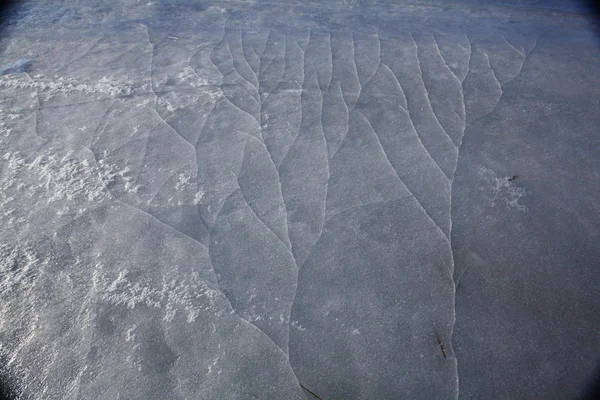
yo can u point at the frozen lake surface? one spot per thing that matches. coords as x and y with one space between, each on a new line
352 199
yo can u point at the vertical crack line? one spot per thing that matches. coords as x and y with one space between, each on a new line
443 58
452 185
256 88
245 57
331 64
233 64
487 59
440 231
285 51
210 229
379 54
522 64
470 51
328 176
261 69
301 116
265 48
259 74
209 113
250 137
412 124
233 310
344 94
348 110
353 58
425 89
155 103
347 122
287 215
245 80
370 78
261 104
462 94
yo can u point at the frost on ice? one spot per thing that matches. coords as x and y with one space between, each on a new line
502 190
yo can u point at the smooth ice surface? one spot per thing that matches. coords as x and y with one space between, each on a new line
298 199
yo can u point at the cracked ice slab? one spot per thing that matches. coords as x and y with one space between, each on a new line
264 200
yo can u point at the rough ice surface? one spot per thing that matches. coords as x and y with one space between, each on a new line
295 200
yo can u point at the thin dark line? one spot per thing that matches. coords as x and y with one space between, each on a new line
309 391
441 345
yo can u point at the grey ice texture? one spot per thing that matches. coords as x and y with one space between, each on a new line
249 199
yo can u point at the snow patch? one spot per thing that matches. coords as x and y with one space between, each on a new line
502 190
104 85
73 183
191 295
